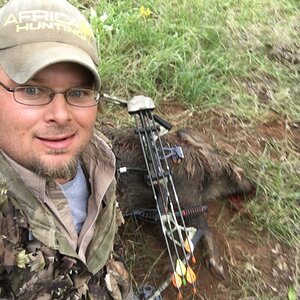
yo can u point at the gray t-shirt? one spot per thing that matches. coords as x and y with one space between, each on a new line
77 193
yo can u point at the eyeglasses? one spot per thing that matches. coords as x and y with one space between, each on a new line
36 96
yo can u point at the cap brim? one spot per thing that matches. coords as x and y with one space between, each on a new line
22 62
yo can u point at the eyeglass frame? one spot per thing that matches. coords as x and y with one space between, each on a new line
52 94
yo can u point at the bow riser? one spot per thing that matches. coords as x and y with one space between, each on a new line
163 188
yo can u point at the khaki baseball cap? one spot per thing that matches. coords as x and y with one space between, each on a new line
37 33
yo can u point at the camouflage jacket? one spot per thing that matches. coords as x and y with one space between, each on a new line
36 260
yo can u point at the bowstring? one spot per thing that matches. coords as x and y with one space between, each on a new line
166 181
170 179
165 186
149 142
146 145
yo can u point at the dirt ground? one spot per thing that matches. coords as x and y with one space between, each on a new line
248 255
265 261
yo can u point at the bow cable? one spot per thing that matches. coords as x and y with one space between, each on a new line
149 128
159 178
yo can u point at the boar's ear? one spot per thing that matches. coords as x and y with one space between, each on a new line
193 138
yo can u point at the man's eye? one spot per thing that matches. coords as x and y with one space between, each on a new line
77 93
32 90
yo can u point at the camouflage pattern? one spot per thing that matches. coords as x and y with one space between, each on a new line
36 261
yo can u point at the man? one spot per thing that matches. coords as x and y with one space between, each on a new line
58 213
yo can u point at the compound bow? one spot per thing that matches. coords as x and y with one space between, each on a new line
180 239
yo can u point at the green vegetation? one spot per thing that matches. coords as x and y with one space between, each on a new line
201 53
239 57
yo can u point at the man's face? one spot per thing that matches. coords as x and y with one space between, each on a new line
47 139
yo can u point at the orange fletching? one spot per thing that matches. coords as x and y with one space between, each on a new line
190 275
176 280
188 245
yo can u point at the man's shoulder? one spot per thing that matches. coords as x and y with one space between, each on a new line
3 194
103 137
100 148
3 179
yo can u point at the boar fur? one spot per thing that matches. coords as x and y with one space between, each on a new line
202 176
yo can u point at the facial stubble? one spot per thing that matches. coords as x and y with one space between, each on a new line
66 171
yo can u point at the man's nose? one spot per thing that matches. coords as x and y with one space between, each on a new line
58 110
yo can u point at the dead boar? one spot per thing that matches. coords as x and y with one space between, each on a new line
202 175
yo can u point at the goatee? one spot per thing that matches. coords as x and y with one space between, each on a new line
66 172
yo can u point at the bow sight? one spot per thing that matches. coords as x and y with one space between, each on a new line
180 239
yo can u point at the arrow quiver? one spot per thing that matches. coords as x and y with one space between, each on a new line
179 238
